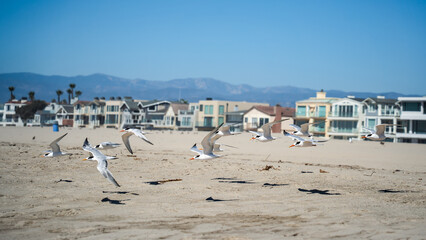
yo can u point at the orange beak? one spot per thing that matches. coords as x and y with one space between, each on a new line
123 130
363 137
84 159
292 146
42 156
252 138
192 159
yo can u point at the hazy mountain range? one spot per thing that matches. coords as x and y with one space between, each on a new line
191 89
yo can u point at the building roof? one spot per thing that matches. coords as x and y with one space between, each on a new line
314 100
84 103
178 106
272 110
68 108
382 100
133 106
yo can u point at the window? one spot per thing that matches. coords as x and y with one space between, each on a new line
201 107
246 119
254 122
208 109
321 111
301 111
220 120
151 108
235 108
411 106
208 122
372 108
221 109
371 123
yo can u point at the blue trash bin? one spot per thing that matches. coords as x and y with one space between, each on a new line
55 126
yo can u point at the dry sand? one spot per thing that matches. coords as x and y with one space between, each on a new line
338 190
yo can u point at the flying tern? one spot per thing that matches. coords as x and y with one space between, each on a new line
130 132
107 145
208 145
302 142
266 135
102 161
56 150
378 134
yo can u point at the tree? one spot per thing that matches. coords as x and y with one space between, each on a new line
31 95
78 93
11 89
59 93
72 86
183 101
69 91
27 112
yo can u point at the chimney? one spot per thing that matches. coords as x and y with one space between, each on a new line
351 97
278 113
321 94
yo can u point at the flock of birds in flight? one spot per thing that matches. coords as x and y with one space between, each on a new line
300 135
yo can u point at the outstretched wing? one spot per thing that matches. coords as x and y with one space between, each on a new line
139 133
297 128
196 150
370 130
294 137
126 142
207 141
267 127
95 152
54 145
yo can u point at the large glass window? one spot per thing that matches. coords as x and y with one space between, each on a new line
208 121
301 111
220 120
321 111
411 106
371 123
221 109
208 109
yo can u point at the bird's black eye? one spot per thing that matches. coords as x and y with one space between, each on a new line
197 156
297 143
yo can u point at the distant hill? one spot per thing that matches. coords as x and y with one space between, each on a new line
191 89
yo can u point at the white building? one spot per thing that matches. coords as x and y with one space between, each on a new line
413 120
346 118
8 114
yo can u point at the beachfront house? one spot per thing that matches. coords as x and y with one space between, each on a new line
65 115
346 118
9 116
213 112
315 110
413 120
257 116
96 113
380 110
81 114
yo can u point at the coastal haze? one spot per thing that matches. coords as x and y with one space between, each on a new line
190 89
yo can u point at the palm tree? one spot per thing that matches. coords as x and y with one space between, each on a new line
72 86
69 91
11 89
59 93
78 93
31 95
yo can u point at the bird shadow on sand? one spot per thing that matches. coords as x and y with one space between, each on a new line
63 180
120 192
322 192
115 202
163 181
233 180
210 199
395 191
274 184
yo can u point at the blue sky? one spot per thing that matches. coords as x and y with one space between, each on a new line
344 45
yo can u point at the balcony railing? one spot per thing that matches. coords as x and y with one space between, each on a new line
345 115
343 130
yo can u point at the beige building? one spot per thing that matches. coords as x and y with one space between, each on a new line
315 109
213 112
257 116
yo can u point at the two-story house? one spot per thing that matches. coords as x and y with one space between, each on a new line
315 110
257 116
346 118
9 116
413 120
381 111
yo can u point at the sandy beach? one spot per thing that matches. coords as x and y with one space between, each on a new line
339 190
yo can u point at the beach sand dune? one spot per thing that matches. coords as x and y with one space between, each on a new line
255 191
